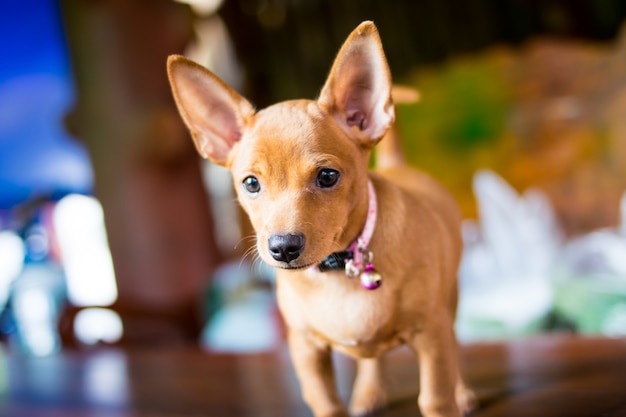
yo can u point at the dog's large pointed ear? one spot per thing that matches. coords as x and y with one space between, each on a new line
214 113
358 89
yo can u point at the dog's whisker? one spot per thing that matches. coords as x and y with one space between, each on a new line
245 240
251 253
257 267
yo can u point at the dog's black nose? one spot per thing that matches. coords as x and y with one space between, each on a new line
286 248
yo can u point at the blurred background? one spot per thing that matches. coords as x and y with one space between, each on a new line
112 231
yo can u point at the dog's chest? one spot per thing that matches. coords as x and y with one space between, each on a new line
337 309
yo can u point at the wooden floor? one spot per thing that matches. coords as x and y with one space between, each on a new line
545 376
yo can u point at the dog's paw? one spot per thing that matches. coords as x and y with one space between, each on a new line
367 403
466 399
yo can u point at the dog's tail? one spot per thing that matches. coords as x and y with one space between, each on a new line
390 152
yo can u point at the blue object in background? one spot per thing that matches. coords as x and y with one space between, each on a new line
37 156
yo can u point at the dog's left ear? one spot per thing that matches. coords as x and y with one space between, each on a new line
358 89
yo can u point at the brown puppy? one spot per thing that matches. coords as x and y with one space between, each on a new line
300 171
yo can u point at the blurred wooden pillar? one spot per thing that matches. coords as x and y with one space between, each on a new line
147 174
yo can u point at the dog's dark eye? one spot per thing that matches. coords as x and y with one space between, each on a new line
327 178
251 184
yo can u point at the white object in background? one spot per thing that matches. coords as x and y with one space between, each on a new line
37 297
599 253
86 259
12 255
85 255
590 276
94 325
507 261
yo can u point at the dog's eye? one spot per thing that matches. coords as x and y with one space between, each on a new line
251 184
327 178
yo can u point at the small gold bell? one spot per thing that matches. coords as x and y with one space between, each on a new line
371 278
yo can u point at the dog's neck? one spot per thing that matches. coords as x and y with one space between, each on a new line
337 260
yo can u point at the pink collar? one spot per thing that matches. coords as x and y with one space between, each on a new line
358 259
360 246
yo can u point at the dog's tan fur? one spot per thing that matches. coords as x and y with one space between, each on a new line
416 242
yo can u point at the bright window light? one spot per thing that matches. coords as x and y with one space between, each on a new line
34 311
94 325
85 255
11 262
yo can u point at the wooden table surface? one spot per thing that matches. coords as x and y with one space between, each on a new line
542 376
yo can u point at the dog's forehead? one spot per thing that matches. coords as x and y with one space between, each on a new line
292 131
292 120
294 128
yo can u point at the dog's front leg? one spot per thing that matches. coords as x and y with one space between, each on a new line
313 364
435 346
368 393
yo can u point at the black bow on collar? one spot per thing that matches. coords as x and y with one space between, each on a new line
335 261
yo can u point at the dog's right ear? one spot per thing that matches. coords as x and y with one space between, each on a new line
214 113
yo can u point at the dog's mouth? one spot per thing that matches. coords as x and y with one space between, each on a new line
295 265
333 261
289 267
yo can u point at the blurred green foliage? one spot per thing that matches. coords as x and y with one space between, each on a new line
460 123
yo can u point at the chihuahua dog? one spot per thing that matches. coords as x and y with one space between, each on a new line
365 261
